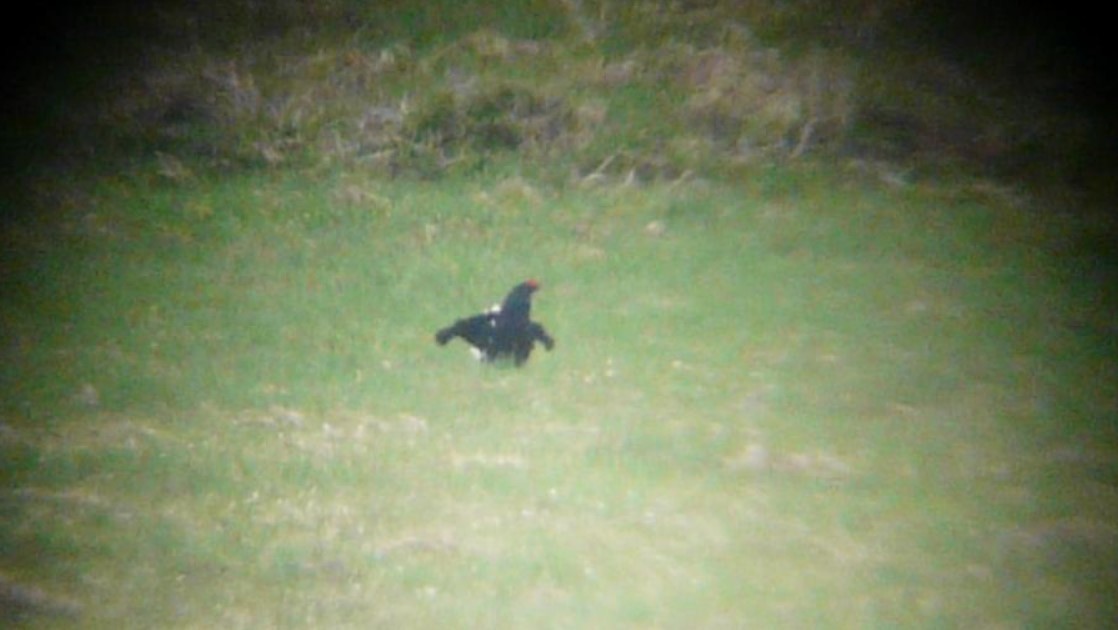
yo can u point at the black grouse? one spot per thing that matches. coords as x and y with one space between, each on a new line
503 331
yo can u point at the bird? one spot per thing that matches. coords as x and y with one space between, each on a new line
504 331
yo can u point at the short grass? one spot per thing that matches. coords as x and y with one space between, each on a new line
802 400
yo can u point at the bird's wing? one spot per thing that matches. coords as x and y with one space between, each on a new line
476 331
539 334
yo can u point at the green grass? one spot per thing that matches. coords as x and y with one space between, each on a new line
811 370
801 401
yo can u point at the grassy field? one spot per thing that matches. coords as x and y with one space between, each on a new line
808 399
809 372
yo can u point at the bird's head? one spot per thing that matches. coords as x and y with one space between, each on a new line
518 303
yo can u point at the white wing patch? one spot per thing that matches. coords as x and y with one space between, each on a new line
493 310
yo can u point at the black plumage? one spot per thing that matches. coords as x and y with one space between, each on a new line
504 331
